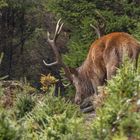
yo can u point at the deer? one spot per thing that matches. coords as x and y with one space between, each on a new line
104 57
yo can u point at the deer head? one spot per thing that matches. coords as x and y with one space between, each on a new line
79 80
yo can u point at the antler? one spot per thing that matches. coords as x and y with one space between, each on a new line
101 24
52 43
97 30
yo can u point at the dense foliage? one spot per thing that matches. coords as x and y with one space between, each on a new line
40 117
22 38
108 16
120 115
44 116
24 23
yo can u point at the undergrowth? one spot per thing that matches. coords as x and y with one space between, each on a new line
119 117
41 116
46 117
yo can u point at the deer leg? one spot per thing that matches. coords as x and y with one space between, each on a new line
112 61
94 84
99 80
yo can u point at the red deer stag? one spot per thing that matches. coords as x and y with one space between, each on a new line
105 55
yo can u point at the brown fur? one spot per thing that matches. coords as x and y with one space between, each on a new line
105 55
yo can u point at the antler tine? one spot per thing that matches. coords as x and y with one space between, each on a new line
97 30
100 15
66 85
58 29
51 64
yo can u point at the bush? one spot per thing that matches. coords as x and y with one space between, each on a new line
42 116
24 104
54 118
120 112
9 130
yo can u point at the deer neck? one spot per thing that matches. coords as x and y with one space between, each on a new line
84 72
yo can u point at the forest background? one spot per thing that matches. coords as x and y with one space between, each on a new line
24 25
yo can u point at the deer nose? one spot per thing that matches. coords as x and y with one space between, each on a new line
78 100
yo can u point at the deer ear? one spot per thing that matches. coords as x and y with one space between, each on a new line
73 71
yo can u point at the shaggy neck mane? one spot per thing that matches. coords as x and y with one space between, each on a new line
84 74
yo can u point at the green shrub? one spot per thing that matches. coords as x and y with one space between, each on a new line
43 116
120 111
9 130
54 118
24 104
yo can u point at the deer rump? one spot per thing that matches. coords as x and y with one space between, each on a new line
105 56
108 52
